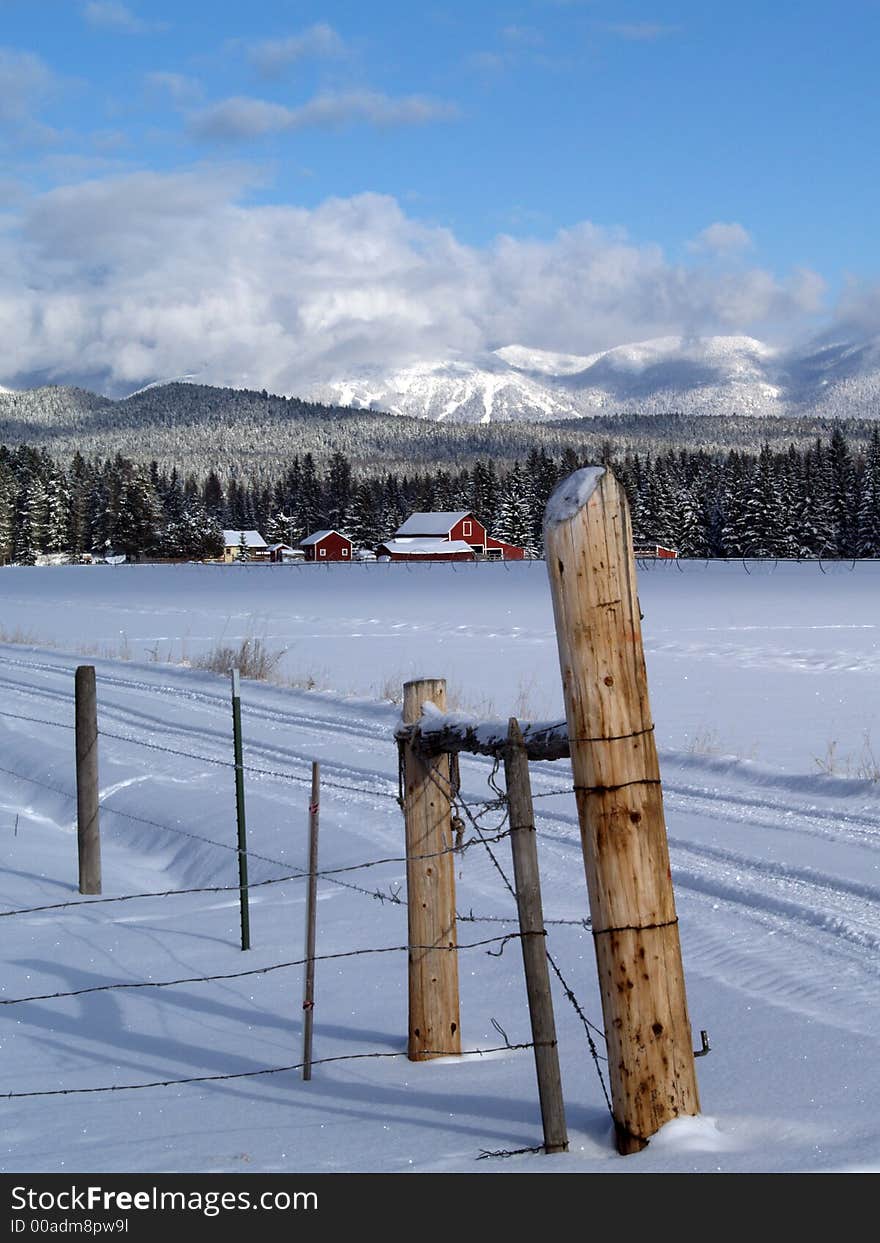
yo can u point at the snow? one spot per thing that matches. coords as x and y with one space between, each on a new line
252 539
689 375
571 495
440 523
544 362
765 685
428 547
316 537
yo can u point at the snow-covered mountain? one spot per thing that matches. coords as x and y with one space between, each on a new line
479 391
699 375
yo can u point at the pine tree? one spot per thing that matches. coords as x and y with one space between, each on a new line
31 510
734 505
57 511
80 487
307 504
483 500
7 511
868 528
844 498
763 509
365 517
689 532
512 521
337 492
213 495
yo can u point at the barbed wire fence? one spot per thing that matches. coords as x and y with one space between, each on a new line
473 813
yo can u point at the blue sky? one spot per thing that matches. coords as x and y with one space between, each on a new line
354 183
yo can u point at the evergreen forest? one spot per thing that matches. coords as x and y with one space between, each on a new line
819 499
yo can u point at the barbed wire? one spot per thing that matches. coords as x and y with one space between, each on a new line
324 873
451 794
10 772
269 1070
35 720
487 1154
475 812
206 759
250 971
248 768
584 922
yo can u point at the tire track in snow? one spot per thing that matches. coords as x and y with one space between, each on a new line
795 901
783 932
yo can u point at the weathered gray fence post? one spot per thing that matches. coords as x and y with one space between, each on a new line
533 939
88 833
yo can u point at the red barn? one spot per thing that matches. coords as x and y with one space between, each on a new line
445 529
654 552
410 548
326 546
498 550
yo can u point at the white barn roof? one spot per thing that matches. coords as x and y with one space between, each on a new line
431 523
317 536
252 539
426 547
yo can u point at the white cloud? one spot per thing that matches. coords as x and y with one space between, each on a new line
26 82
145 275
241 117
181 88
857 314
109 15
273 56
722 239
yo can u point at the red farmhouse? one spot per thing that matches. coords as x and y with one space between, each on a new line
654 552
447 536
326 546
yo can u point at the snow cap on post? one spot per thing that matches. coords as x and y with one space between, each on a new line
570 496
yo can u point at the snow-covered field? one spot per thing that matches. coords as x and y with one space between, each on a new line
765 687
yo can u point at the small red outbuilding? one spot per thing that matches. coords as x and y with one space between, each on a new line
326 546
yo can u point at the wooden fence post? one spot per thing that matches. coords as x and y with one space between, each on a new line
532 938
588 543
88 832
311 922
434 1016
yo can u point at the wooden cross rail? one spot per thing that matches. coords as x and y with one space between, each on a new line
434 734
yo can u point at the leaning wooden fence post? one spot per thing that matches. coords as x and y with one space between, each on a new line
532 938
588 545
239 814
311 922
88 833
434 1019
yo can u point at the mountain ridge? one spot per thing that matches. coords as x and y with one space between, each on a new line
689 375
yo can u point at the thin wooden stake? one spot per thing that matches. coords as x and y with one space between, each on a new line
533 939
588 543
239 814
311 922
434 1014
88 832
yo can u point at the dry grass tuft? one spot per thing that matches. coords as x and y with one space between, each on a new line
252 658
